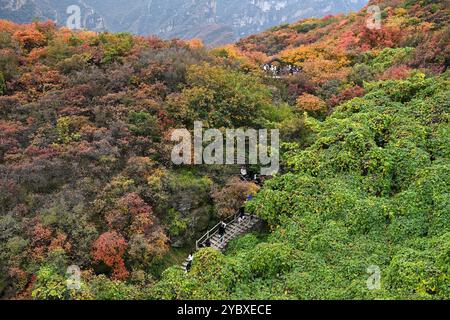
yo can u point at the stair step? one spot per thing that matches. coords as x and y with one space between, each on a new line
237 229
232 231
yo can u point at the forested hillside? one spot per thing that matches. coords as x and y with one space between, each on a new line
214 21
86 176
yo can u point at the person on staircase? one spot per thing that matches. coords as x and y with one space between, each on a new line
241 216
244 174
257 179
222 231
206 244
189 264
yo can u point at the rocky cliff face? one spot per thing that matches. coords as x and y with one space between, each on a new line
214 21
25 11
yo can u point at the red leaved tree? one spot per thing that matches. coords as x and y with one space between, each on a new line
131 216
110 248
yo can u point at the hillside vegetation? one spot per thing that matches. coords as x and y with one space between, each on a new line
86 176
215 22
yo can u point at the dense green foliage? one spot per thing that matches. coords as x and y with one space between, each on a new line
86 177
373 189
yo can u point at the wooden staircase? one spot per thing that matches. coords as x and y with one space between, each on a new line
233 230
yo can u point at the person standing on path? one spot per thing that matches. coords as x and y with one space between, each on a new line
241 216
222 231
189 264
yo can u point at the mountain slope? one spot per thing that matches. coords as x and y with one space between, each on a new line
26 11
86 176
214 21
360 211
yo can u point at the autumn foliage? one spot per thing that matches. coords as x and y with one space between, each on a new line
109 248
233 196
86 176
308 102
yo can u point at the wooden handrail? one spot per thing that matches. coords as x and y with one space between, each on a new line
211 232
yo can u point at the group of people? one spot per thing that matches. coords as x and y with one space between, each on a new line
250 176
241 218
278 70
207 244
246 175
271 68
